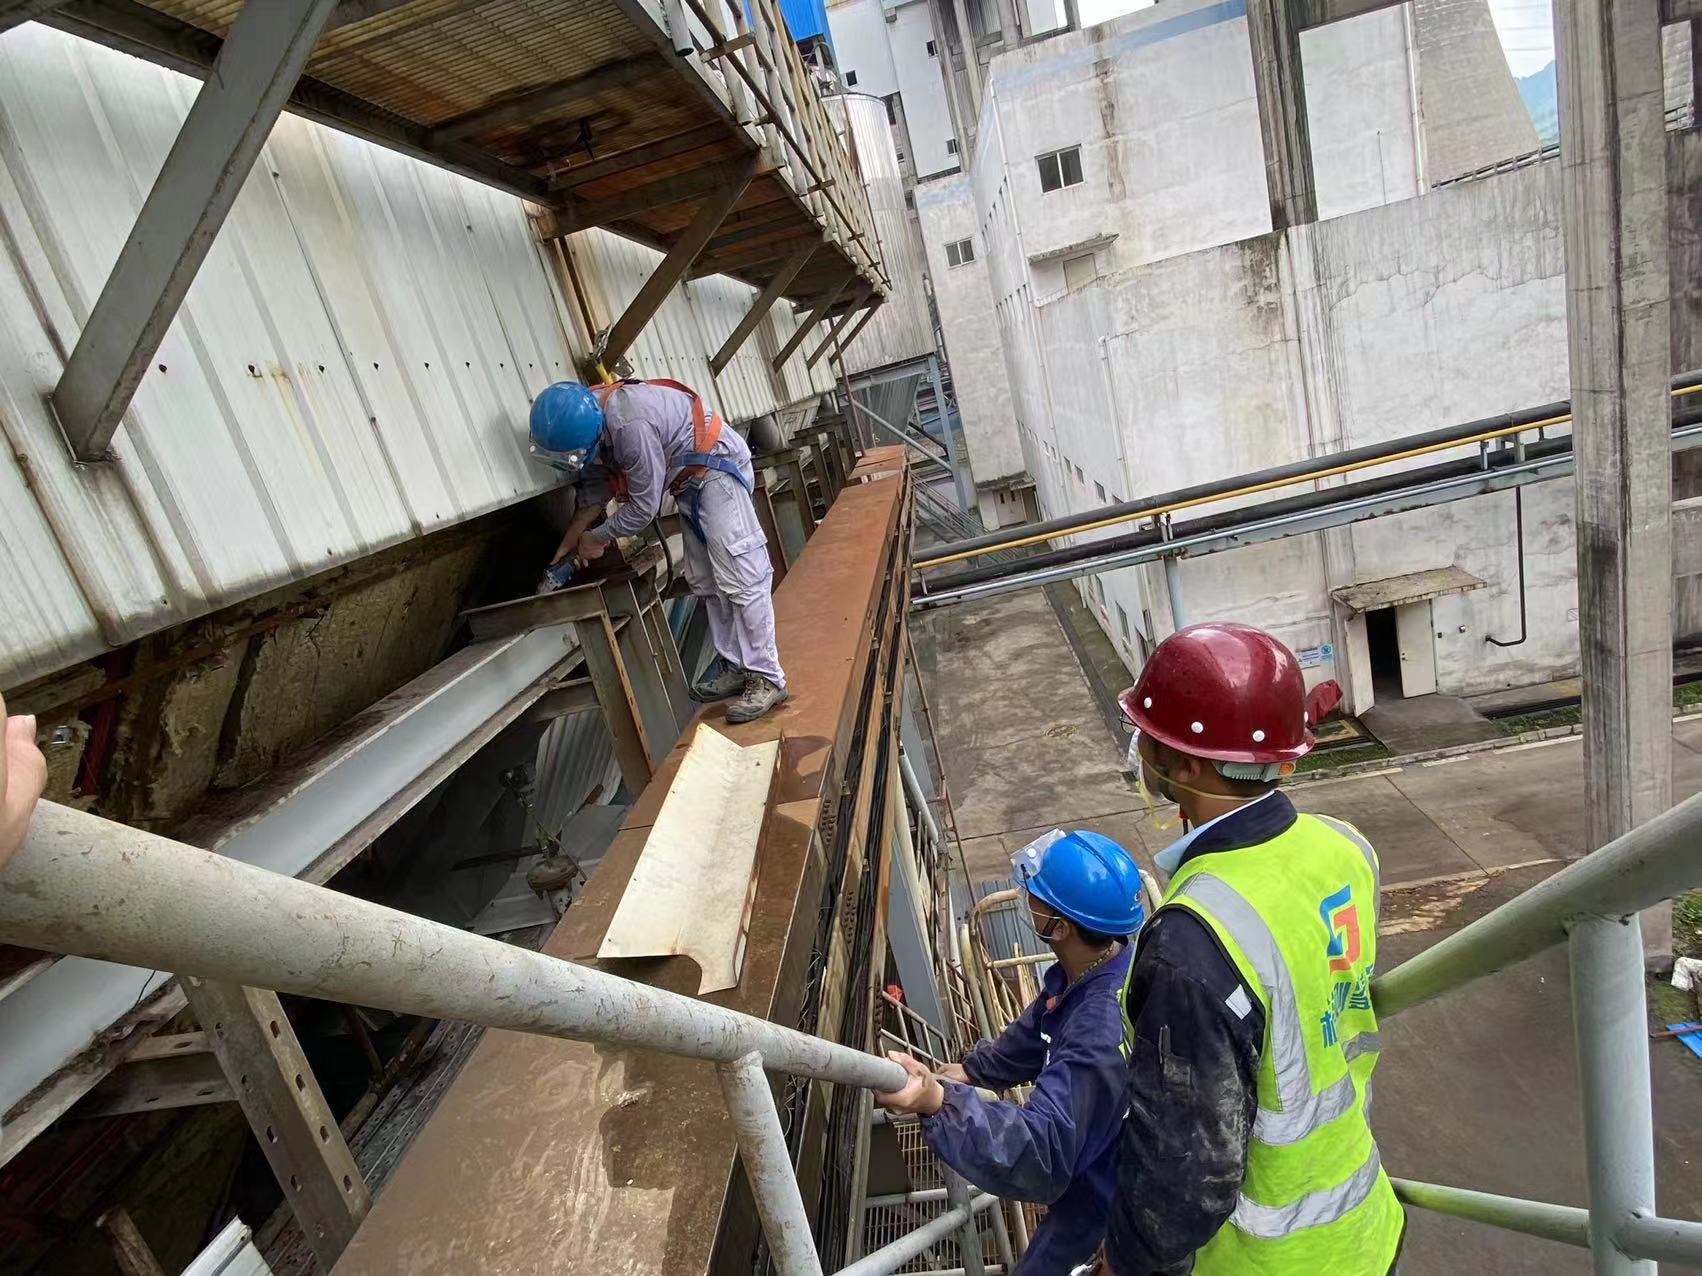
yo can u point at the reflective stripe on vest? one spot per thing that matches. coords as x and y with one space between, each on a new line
1273 1222
1302 1110
1314 1197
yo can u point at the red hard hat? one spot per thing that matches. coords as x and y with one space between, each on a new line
1231 693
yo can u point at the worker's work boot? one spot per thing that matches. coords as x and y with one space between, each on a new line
760 696
721 681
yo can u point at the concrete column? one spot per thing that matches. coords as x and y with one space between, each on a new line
1281 91
971 67
1614 197
961 124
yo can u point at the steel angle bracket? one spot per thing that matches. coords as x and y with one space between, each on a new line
691 892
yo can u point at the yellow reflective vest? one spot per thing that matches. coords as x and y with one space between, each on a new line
1298 916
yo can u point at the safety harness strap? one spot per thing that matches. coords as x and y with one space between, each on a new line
690 494
705 431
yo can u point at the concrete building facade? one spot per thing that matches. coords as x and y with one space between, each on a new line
1157 333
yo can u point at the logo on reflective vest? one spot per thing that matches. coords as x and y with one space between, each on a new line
1341 921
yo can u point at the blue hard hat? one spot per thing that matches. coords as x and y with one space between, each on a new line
1085 877
567 421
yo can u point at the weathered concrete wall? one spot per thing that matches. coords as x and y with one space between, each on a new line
887 47
946 207
1161 104
1684 244
1359 108
1363 328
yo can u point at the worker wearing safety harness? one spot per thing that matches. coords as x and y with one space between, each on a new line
1248 1023
1082 894
636 440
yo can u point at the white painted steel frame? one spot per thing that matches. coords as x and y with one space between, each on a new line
84 885
256 71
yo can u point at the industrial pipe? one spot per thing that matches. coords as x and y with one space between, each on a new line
1313 468
1567 1224
88 886
1653 862
1468 484
1094 555
1519 544
1229 520
889 1258
768 1165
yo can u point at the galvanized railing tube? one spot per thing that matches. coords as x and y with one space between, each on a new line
87 886
1592 906
1651 863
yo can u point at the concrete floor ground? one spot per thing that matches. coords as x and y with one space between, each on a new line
1478 1089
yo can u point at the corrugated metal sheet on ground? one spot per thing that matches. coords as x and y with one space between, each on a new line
353 366
901 328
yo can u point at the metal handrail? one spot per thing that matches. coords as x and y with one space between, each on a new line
90 887
1653 862
1592 906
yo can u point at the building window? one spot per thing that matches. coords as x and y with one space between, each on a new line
851 80
891 101
951 146
1060 168
910 199
932 51
1080 477
960 252
1123 622
1098 591
1099 491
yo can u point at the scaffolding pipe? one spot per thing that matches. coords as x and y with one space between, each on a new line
1653 862
90 887
969 1234
1611 1019
919 799
1666 1240
889 1258
768 1166
1567 1224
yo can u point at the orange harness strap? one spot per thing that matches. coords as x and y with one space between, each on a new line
705 430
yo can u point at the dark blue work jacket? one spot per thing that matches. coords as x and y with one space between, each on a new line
1060 1148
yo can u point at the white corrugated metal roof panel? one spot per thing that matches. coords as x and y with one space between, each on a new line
353 366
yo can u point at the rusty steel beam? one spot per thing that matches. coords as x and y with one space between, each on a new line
761 306
649 1152
636 157
838 325
815 317
548 97
672 268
